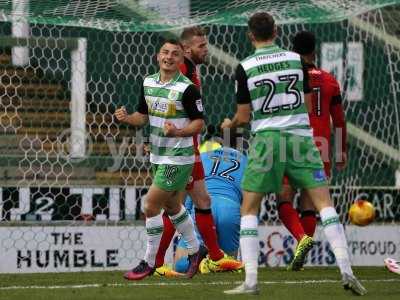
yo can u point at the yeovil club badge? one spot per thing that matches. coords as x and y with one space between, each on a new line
173 95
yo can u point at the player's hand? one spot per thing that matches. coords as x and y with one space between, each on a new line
226 123
341 161
170 129
146 149
121 114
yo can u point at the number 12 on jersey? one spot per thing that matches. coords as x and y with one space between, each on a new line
224 173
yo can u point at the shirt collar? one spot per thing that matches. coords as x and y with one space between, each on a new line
171 82
266 48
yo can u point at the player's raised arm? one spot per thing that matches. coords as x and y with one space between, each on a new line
194 127
135 119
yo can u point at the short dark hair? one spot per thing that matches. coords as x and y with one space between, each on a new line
190 32
262 26
170 41
304 42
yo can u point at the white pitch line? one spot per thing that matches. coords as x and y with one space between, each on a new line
98 285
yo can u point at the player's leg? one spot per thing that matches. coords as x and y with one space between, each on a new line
263 174
290 218
155 199
249 242
308 211
205 221
308 216
169 229
202 202
333 229
306 172
287 213
166 238
334 232
226 214
167 191
203 215
184 225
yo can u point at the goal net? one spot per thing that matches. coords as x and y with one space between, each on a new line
72 178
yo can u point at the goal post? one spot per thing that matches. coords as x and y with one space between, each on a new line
77 48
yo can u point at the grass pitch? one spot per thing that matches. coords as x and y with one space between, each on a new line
313 283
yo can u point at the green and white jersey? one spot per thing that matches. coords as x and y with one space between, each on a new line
177 101
273 80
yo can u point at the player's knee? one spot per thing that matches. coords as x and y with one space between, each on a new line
173 205
202 202
251 203
199 195
280 201
206 201
320 197
151 210
306 203
249 210
173 208
286 195
306 206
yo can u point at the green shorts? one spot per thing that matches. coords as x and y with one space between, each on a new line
273 154
171 177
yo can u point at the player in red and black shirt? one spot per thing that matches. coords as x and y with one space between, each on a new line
325 105
195 46
190 70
